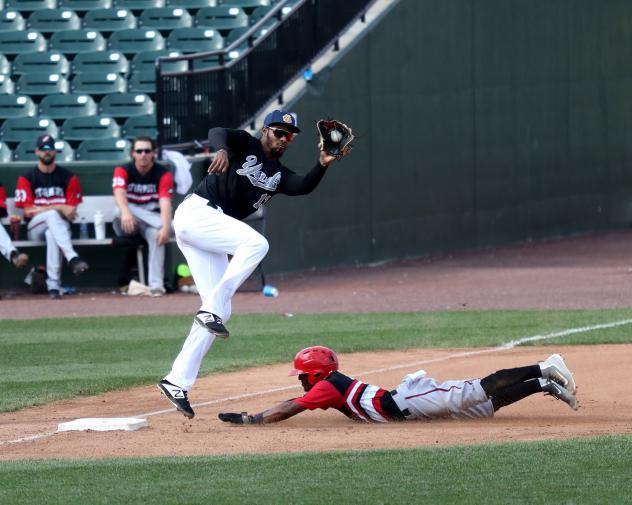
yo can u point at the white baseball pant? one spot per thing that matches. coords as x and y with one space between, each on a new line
6 246
53 228
422 397
148 224
206 236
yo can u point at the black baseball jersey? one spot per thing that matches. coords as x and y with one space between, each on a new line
145 189
40 189
251 179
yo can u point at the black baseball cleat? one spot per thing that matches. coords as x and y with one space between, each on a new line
212 323
177 396
77 265
54 294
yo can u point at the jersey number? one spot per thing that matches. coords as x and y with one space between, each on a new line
262 200
20 195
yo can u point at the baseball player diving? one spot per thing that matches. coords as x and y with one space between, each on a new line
417 397
244 174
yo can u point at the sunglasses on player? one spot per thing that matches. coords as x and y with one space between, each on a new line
279 133
141 151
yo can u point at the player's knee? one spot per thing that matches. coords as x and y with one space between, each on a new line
261 245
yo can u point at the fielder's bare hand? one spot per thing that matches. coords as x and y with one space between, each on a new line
220 164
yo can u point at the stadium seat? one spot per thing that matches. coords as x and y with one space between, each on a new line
6 84
146 60
222 17
165 18
138 126
122 105
41 83
53 20
194 40
84 5
110 61
5 153
26 129
248 4
29 5
191 4
139 5
135 40
16 106
98 82
89 127
259 13
110 20
66 106
21 41
5 66
52 62
207 62
142 82
11 20
112 150
25 151
77 41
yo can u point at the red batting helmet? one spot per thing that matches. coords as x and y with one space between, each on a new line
317 362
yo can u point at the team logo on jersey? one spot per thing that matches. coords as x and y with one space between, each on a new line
255 175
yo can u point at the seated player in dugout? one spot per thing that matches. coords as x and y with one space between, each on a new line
417 397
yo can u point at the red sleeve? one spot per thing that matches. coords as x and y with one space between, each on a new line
24 193
119 179
165 186
3 201
73 192
322 396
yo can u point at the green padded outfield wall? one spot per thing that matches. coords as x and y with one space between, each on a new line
480 123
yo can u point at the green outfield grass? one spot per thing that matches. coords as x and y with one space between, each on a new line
49 359
585 471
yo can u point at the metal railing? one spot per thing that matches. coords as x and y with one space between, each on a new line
272 53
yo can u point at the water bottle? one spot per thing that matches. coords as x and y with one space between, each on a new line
83 230
270 291
99 225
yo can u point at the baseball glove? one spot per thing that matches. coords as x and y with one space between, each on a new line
335 137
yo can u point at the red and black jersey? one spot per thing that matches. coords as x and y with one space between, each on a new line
355 399
145 189
3 201
35 188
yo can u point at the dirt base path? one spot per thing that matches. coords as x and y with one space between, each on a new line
582 272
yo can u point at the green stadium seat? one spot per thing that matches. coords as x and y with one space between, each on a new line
146 60
135 40
5 153
25 151
16 106
165 18
6 84
77 41
112 150
139 5
84 5
194 40
29 5
192 4
138 126
110 20
26 129
52 62
110 61
222 17
5 66
142 82
53 20
41 83
21 41
120 105
207 62
98 82
66 106
247 4
234 34
89 127
11 20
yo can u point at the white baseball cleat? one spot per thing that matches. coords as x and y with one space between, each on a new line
550 387
555 369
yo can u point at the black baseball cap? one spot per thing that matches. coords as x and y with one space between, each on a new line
282 118
45 142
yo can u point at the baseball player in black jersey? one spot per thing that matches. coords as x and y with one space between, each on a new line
244 175
417 397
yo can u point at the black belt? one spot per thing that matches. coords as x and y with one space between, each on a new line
405 412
